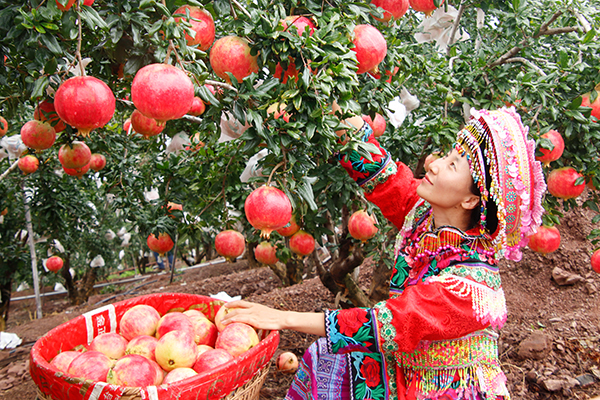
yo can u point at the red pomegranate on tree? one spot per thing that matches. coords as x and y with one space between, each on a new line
232 54
162 92
266 253
161 244
290 72
65 7
84 102
46 112
559 146
302 243
425 6
299 24
545 240
290 228
595 105
202 23
38 135
378 125
595 261
127 125
76 155
562 183
3 126
147 127
77 172
230 244
54 263
28 164
362 226
370 47
393 8
198 107
97 162
267 209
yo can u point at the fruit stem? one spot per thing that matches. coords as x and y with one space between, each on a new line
79 38
241 8
272 172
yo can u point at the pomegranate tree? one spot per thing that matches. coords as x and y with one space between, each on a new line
161 244
198 107
267 209
54 263
559 146
38 135
378 125
362 226
545 240
46 112
28 164
3 126
302 243
426 6
202 23
230 244
75 155
97 162
84 102
232 54
290 228
147 127
78 172
266 253
370 47
393 8
562 183
595 261
162 92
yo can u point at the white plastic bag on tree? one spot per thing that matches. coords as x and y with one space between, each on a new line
252 169
231 128
438 28
13 145
178 143
97 262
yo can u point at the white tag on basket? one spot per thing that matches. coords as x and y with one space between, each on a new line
99 321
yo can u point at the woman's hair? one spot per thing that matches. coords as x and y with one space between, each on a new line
491 214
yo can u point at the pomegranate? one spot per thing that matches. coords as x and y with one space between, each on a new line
266 253
561 183
161 245
299 24
393 8
287 363
127 125
302 243
84 102
204 28
290 72
232 54
545 240
388 73
378 125
88 3
425 6
278 110
362 226
76 155
78 172
290 228
554 154
147 127
370 47
162 92
3 126
28 164
595 261
97 162
267 209
230 244
38 135
594 105
198 107
65 7
46 112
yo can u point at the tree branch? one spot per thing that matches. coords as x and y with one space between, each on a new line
241 8
221 84
13 166
461 10
525 61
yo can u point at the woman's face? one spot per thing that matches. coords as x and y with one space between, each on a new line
448 182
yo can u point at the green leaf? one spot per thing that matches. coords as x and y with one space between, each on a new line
52 44
39 87
147 3
579 181
163 9
305 191
589 36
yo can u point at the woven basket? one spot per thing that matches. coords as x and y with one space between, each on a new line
240 379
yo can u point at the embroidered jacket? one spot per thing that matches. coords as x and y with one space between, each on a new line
436 335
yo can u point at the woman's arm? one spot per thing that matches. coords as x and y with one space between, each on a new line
263 317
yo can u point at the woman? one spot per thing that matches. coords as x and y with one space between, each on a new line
436 337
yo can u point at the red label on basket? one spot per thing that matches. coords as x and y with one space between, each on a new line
99 321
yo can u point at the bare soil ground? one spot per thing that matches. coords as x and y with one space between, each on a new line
550 346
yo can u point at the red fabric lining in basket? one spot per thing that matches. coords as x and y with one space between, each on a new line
213 384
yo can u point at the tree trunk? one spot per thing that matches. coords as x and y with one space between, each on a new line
72 292
294 270
87 285
252 262
380 282
78 294
5 291
280 270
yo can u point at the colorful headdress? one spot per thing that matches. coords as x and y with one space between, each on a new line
503 166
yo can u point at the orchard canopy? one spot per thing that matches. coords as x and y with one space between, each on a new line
269 117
